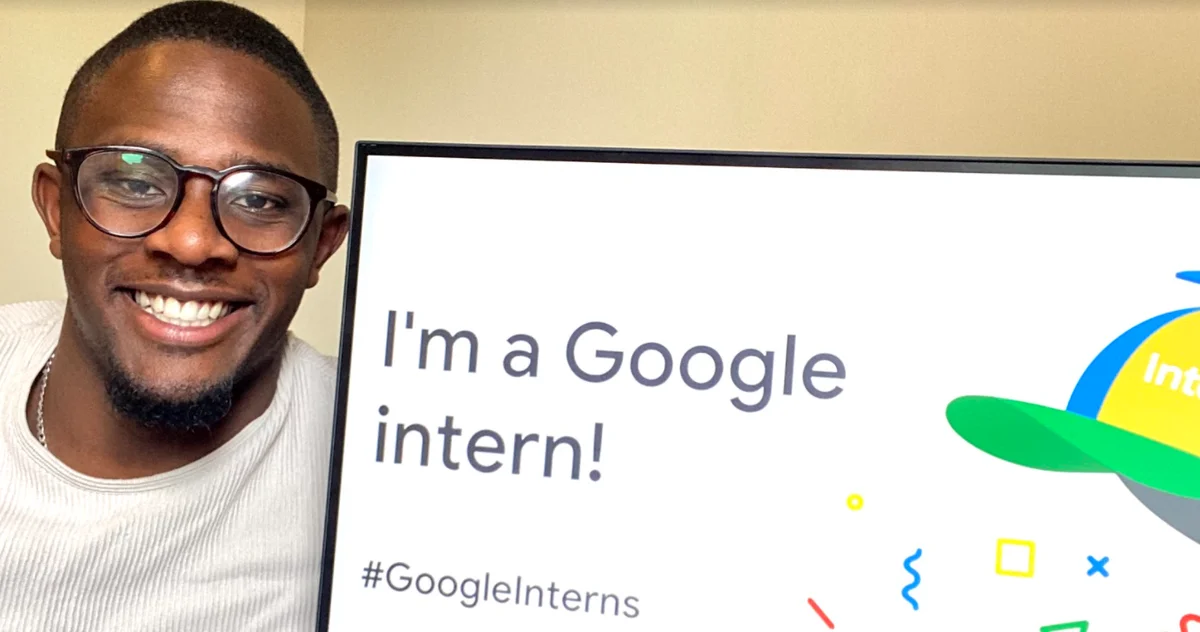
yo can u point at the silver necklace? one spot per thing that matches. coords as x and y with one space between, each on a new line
41 421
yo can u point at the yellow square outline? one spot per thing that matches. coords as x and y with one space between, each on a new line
1000 555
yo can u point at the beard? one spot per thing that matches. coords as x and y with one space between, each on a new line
181 415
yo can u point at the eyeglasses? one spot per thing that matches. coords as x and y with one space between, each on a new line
132 191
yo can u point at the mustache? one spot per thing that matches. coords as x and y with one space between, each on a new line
170 271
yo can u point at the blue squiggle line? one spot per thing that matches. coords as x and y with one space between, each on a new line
916 579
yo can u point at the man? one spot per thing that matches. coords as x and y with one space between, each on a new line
164 439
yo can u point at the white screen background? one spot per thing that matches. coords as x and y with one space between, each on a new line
927 286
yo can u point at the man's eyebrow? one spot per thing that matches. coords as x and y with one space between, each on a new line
236 158
244 159
136 142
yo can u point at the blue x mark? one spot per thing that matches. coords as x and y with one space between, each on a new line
1097 566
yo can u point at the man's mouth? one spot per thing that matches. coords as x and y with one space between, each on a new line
183 313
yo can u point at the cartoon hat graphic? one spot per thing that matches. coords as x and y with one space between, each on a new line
1134 412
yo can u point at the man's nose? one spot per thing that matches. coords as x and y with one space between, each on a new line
192 237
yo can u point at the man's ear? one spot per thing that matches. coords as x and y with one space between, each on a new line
335 224
47 198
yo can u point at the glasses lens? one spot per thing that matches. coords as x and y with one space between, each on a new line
262 211
126 193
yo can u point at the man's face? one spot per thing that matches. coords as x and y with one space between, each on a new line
204 106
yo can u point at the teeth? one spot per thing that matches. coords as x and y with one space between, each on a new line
181 314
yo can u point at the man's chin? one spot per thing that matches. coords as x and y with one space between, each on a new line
181 411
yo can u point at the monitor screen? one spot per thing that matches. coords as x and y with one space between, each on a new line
593 389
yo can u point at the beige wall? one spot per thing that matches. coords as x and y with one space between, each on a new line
1009 77
986 77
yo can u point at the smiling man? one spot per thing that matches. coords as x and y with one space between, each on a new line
164 438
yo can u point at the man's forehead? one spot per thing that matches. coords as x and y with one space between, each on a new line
200 104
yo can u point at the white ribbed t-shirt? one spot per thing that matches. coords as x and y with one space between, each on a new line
228 543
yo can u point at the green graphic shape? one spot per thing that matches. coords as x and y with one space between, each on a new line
1046 438
1074 626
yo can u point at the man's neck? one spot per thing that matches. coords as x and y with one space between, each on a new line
84 432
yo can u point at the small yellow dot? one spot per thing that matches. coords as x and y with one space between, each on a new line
854 502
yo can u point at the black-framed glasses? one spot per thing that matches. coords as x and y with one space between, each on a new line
132 191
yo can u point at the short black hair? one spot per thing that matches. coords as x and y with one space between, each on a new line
223 25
